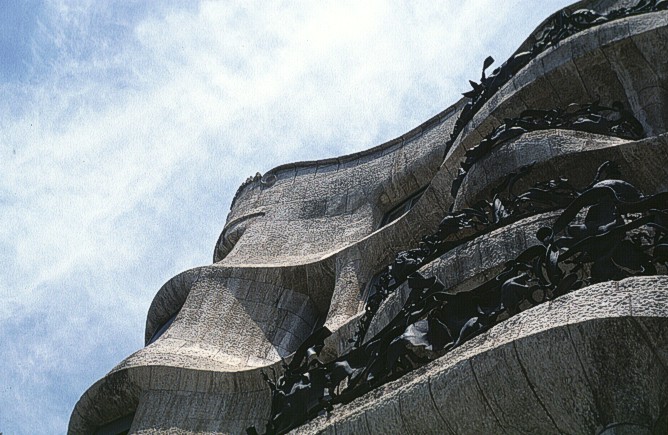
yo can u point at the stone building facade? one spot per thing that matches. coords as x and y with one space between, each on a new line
569 331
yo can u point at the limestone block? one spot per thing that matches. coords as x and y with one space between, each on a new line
426 418
387 418
351 426
594 70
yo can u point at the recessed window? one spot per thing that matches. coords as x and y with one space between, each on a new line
161 330
370 289
120 426
402 208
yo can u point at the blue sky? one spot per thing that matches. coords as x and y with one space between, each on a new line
127 126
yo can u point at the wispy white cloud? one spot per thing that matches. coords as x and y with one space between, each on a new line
133 123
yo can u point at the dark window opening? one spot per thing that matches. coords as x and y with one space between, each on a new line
371 288
161 330
119 426
402 208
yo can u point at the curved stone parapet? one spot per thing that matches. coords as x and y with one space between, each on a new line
610 62
554 152
206 398
313 209
247 318
469 264
169 300
586 361
230 324
269 179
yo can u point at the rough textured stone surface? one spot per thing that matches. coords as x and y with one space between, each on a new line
555 151
576 365
302 243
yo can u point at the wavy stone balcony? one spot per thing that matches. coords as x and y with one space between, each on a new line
557 152
607 63
589 359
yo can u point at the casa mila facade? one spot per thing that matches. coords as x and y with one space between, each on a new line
501 268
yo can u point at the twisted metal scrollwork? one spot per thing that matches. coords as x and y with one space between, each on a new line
608 231
562 25
461 226
592 118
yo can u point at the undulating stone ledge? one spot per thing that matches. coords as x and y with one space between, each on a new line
558 151
310 283
147 389
252 317
468 265
230 321
582 362
168 300
313 211
252 187
610 62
